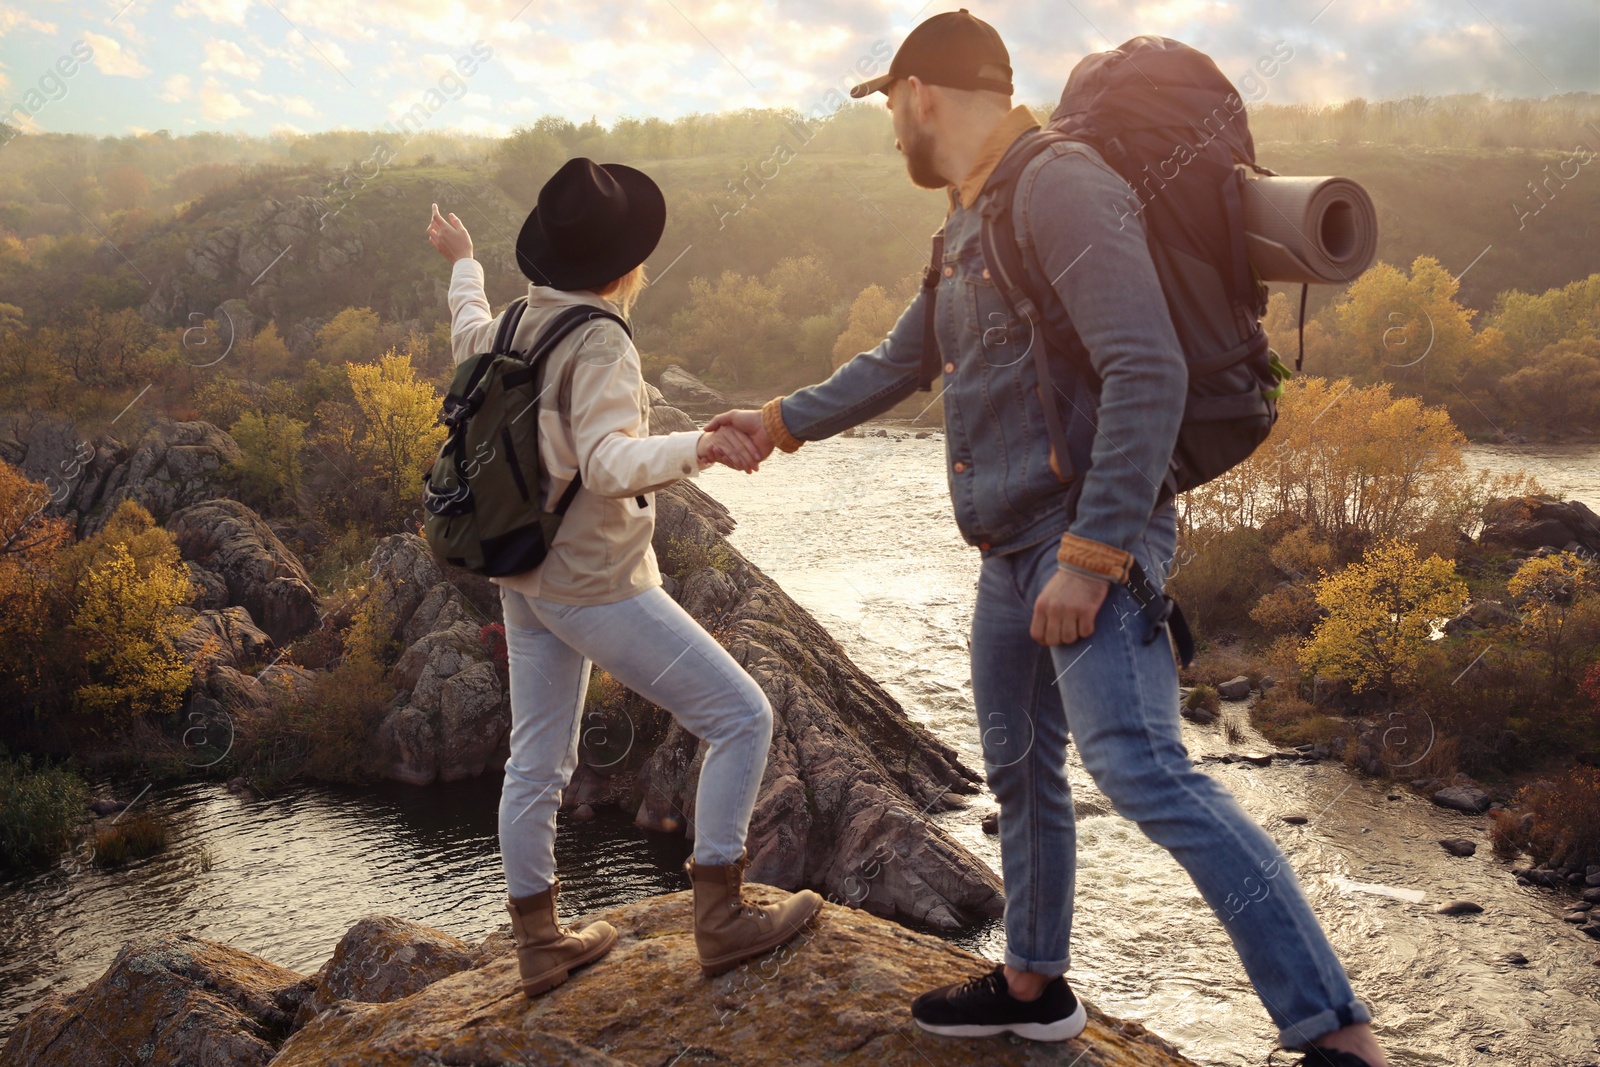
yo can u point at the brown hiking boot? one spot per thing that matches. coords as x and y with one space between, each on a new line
546 951
728 930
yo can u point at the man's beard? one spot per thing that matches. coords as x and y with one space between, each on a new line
917 147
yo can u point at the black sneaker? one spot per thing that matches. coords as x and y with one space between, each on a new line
982 1006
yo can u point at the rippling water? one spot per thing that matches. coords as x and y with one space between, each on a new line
859 531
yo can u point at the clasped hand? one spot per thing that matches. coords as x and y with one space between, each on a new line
736 439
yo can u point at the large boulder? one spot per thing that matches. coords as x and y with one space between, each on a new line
228 539
382 958
173 465
165 999
225 636
681 387
1463 798
1530 523
396 994
453 712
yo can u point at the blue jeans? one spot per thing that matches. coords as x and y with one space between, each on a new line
1119 698
654 647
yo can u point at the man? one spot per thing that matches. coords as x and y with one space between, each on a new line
1050 651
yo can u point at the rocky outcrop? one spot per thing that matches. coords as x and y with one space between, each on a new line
382 958
225 637
1463 798
839 993
172 465
452 713
681 387
232 542
165 999
1529 523
851 782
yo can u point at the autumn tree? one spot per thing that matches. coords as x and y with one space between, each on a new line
1406 329
127 582
1380 617
1556 595
30 595
400 434
269 471
1559 388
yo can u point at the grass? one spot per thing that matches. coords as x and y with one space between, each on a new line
686 555
130 838
1203 697
40 809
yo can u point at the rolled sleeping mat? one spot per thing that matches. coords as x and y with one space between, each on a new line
1317 231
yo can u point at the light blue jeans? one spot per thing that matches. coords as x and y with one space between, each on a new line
1119 698
654 647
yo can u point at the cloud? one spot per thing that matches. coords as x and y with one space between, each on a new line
11 18
294 105
176 89
218 105
230 12
225 57
113 59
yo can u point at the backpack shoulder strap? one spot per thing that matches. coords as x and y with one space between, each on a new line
510 319
565 322
931 357
1028 300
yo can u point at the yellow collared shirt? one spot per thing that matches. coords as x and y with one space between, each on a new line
1014 125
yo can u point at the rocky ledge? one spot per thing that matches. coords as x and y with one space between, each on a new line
398 994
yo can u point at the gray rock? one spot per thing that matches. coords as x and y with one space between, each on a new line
681 387
1591 896
172 998
232 541
1464 798
1516 959
226 636
1459 907
382 959
991 823
1296 820
1234 688
1592 879
1533 522
1458 846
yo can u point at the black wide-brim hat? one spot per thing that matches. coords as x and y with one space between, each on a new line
594 223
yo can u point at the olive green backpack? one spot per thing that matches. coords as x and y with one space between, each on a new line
481 502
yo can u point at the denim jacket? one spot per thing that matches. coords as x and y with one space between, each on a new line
1078 223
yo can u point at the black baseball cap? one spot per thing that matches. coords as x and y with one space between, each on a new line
955 49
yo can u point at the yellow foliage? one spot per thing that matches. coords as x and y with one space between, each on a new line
126 626
401 434
30 544
872 314
1560 613
1357 464
1381 613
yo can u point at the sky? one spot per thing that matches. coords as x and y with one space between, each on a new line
260 66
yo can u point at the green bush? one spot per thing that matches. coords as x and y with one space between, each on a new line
39 810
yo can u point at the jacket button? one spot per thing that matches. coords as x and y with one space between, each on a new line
960 466
983 545
986 274
949 272
949 368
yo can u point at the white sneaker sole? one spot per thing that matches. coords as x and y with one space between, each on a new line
1060 1030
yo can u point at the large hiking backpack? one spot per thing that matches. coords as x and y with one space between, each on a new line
481 501
1171 124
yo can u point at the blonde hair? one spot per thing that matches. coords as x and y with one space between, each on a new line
625 291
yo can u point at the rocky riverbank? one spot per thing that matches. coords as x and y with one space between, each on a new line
851 785
397 994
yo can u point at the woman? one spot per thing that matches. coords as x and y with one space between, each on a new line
597 597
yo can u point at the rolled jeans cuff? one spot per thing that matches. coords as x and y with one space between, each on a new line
1049 968
1299 1035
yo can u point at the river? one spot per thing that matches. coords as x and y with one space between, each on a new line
859 531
